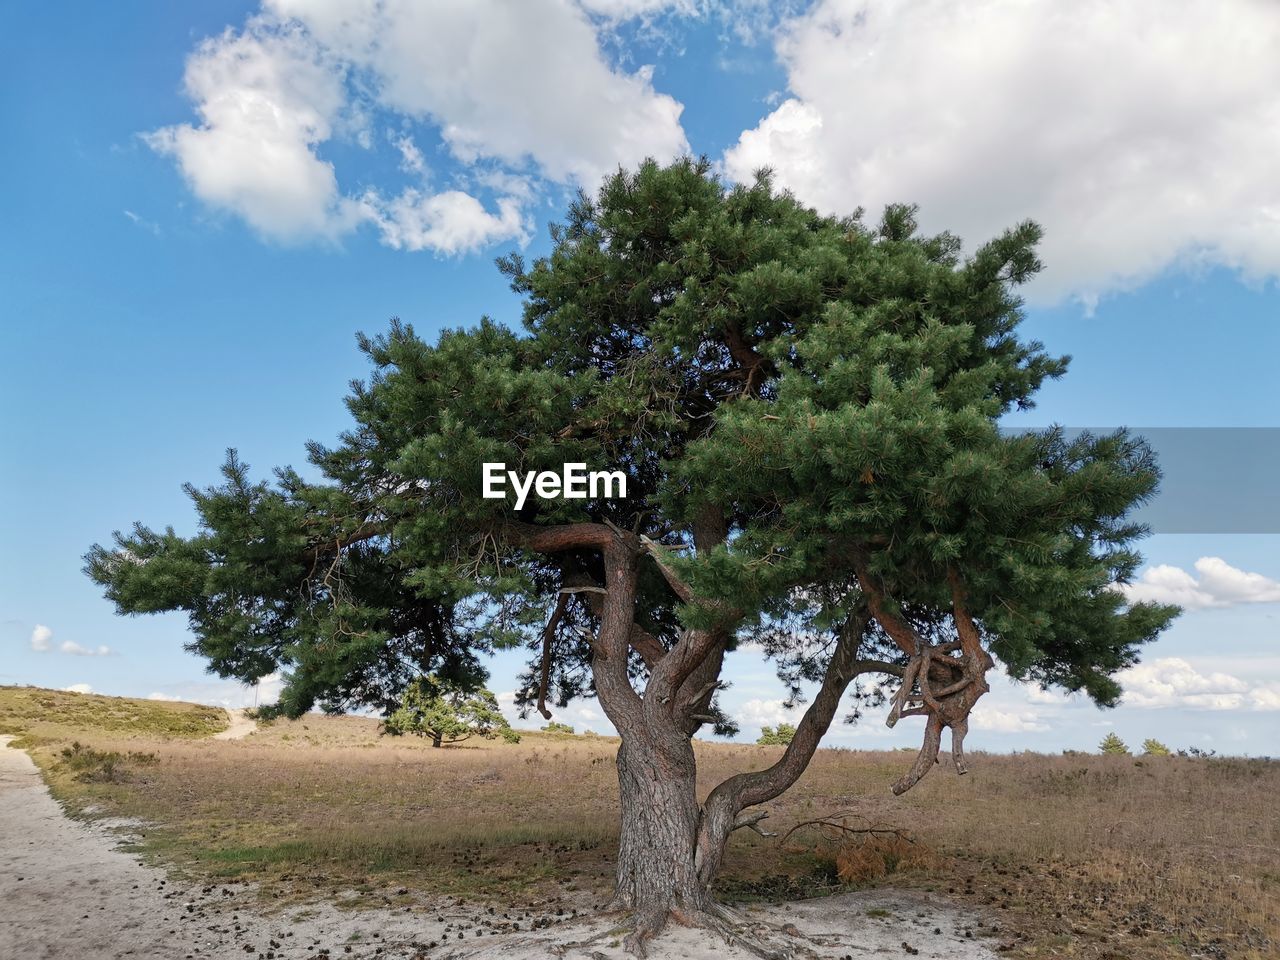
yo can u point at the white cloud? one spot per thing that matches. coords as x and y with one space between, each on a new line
1139 135
266 98
509 82
587 714
411 158
628 9
1219 585
223 693
1006 721
1265 698
40 637
1173 682
451 222
1051 697
522 86
78 688
766 713
145 224
578 713
73 648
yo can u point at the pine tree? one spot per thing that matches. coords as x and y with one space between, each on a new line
444 712
1112 745
806 410
1154 748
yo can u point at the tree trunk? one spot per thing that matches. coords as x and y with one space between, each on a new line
436 739
657 875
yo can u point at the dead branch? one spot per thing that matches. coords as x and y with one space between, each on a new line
835 827
751 821
548 635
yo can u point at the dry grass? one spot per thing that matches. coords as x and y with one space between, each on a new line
37 714
1073 856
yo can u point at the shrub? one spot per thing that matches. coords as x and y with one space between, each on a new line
859 862
556 727
103 766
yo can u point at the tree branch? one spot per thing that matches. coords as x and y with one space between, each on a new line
567 536
744 790
548 634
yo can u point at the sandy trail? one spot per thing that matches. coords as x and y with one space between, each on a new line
67 892
241 725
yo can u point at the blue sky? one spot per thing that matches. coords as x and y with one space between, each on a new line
201 204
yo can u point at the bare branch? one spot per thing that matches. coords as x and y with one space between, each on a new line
548 634
751 821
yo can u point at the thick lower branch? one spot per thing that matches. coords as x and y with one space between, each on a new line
730 798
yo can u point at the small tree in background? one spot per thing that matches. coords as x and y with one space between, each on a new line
447 713
779 737
1113 745
556 726
1154 748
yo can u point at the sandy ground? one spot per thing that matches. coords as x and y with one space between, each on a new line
240 726
67 892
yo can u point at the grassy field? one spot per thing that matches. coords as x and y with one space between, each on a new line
1082 856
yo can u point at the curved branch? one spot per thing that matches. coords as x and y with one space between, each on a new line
744 790
548 633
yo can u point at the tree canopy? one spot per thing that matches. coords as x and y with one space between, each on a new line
807 410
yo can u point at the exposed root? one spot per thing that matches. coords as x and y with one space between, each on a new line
763 940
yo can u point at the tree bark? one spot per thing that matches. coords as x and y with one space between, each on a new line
657 877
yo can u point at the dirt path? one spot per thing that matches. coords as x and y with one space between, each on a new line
240 726
67 892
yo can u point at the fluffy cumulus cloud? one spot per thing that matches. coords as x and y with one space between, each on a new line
73 648
520 88
1215 584
42 642
766 713
78 688
1173 682
1013 720
1139 135
266 97
40 637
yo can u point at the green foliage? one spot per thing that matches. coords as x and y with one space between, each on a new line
1113 746
1154 748
556 727
782 736
823 385
445 713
